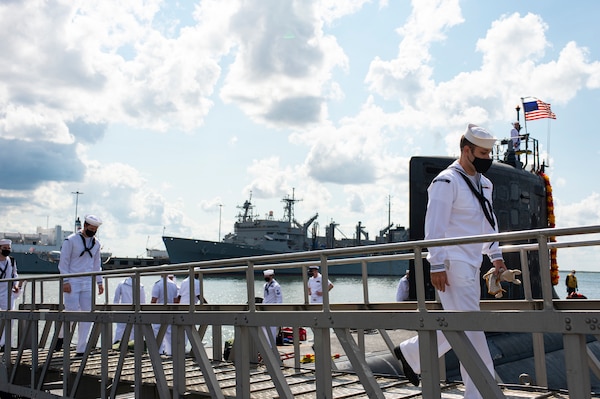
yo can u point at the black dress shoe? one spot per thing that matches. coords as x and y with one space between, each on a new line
410 375
59 345
2 348
78 355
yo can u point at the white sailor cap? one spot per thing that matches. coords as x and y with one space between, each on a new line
5 241
313 267
269 272
480 137
93 220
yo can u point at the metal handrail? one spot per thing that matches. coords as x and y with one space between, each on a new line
538 316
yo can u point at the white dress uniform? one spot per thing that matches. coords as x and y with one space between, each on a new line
402 291
454 211
8 269
272 294
184 291
158 292
124 294
315 284
184 295
516 139
80 254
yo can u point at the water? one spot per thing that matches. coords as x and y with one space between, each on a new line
347 289
588 282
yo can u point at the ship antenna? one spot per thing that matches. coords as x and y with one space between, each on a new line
247 207
289 206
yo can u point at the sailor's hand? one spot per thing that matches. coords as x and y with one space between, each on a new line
319 293
440 280
499 267
100 289
67 288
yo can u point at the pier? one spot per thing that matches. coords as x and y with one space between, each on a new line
258 369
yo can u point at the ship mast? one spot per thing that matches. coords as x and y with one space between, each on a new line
247 207
288 209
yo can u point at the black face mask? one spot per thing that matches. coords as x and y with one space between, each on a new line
481 165
267 279
5 252
90 233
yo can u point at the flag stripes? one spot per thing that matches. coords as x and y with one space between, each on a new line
537 110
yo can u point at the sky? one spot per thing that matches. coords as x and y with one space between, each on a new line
168 115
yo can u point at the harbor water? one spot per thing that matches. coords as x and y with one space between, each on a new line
347 289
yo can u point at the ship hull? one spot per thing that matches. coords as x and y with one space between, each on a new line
183 250
31 263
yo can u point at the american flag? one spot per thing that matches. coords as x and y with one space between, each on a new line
537 110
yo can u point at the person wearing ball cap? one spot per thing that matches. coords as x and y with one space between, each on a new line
80 253
459 204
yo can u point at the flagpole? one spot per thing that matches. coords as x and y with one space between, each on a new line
524 116
548 141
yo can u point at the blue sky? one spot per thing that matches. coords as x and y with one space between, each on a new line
159 111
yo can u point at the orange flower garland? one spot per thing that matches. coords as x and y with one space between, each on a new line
551 223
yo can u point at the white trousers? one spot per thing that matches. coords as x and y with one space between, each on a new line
462 294
80 299
271 334
3 298
165 346
121 330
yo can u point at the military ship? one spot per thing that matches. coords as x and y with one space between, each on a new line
519 203
254 236
39 252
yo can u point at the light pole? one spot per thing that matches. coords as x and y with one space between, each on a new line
77 193
220 207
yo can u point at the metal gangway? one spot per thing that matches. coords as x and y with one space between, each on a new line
34 370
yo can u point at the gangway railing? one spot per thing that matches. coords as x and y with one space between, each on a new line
39 324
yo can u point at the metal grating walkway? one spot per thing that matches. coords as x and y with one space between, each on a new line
302 382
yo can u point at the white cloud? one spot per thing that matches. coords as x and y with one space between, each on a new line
283 64
409 74
72 69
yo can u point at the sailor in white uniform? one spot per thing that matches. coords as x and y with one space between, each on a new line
403 289
272 294
184 294
159 297
8 270
80 253
185 288
460 204
315 285
124 294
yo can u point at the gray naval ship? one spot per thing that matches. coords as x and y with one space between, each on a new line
39 252
253 236
519 203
